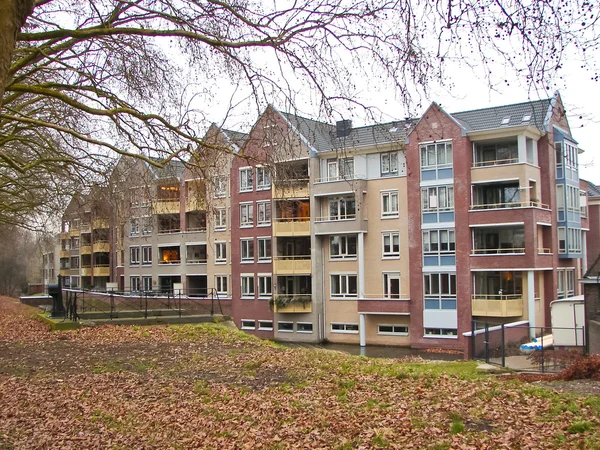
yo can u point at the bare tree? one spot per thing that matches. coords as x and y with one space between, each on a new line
85 80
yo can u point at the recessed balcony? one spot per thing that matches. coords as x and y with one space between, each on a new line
292 265
288 189
497 305
101 247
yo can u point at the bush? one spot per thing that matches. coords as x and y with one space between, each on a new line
584 367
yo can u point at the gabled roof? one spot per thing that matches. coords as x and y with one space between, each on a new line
172 169
237 138
318 134
532 113
592 189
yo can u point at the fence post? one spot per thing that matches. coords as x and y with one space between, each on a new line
473 324
146 306
112 305
487 343
542 342
503 348
212 302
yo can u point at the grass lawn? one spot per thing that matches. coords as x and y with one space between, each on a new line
206 386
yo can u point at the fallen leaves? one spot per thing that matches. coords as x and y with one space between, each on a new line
207 387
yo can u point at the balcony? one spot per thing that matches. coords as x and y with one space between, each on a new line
194 204
292 265
84 228
65 254
85 249
296 303
528 204
86 271
339 185
379 304
101 247
351 223
497 305
102 271
73 233
100 224
65 272
297 226
294 188
167 206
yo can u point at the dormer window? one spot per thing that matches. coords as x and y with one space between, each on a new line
506 120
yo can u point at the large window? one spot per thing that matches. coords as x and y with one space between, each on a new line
342 247
75 262
438 241
391 285
574 240
247 250
343 286
264 286
389 163
496 154
498 240
264 213
341 208
342 168
437 198
246 179
436 155
264 249
439 290
389 204
391 244
220 252
246 214
497 195
247 286
263 178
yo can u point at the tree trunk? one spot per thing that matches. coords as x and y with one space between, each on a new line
13 14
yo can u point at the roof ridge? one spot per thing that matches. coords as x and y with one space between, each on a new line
530 102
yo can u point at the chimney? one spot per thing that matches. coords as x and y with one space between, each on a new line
343 128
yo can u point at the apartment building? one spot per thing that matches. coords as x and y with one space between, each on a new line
401 233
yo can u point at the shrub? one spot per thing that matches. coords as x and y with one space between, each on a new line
584 367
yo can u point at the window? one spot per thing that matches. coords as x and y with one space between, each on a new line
147 283
134 283
341 247
264 286
389 163
134 227
286 327
436 155
304 327
574 240
438 198
570 282
246 179
560 287
220 252
264 213
351 328
340 169
221 186
247 286
75 262
265 325
441 332
573 199
220 219
583 204
264 249
246 214
389 204
221 284
74 282
562 240
146 226
439 241
134 255
560 197
343 286
248 324
247 250
147 255
440 290
74 243
341 208
398 330
263 178
391 244
391 285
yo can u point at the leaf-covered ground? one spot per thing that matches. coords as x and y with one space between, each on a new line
205 386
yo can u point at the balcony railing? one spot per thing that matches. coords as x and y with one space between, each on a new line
497 305
170 261
85 249
196 261
294 188
100 223
166 206
297 264
351 177
496 162
528 204
101 247
498 251
101 270
335 218
292 303
169 230
296 226
544 251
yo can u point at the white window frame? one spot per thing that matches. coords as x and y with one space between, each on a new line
134 255
246 215
263 178
432 238
343 200
264 244
222 284
562 236
134 227
442 155
265 286
389 163
391 253
247 250
387 278
561 291
147 283
344 285
343 247
146 254
570 284
445 333
433 282
146 226
263 213
389 204
221 252
344 328
245 324
430 198
396 329
285 322
299 324
246 181
135 283
265 325
220 219
248 288
221 182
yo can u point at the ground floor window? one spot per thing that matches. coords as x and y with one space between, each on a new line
398 330
441 332
285 327
304 327
135 283
248 324
351 328
265 325
147 283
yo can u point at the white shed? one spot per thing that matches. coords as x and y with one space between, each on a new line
568 320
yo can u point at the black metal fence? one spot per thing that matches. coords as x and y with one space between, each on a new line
522 347
84 304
